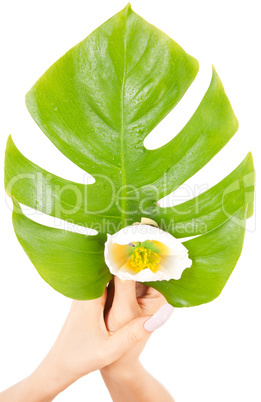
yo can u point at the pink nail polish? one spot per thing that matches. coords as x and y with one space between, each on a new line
159 318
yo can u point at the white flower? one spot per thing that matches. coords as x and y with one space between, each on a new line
145 253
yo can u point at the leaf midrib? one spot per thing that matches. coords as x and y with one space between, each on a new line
122 132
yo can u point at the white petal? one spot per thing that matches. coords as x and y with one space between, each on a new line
147 232
175 265
172 266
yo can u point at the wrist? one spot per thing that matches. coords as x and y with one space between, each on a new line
34 388
122 373
47 381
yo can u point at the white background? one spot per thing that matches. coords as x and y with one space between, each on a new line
209 353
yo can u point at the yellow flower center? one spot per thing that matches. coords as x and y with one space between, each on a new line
142 258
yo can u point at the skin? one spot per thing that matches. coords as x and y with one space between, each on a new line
126 379
98 335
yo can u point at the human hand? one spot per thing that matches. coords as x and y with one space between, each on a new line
126 301
83 345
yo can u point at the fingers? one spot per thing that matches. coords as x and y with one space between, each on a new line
141 289
134 332
99 303
109 300
123 339
102 299
92 307
125 294
159 318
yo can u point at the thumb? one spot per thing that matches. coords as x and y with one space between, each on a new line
124 338
135 331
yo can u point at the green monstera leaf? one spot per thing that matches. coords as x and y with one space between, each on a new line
97 104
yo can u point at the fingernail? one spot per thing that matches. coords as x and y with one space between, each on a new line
159 318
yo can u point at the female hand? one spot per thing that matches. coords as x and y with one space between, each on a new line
125 378
126 301
84 345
